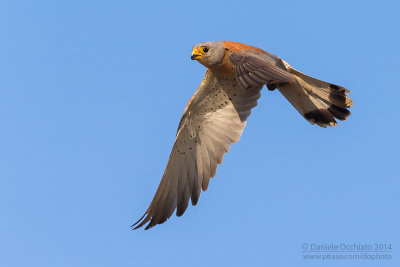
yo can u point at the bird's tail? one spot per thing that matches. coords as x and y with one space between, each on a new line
317 101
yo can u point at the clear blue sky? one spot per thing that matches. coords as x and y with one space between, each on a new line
91 93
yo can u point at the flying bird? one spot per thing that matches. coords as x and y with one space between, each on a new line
217 113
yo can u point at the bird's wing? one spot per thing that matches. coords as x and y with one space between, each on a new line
254 69
213 119
317 101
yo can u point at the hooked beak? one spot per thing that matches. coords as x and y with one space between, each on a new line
196 54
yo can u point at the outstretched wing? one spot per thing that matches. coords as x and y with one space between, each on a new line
254 69
212 121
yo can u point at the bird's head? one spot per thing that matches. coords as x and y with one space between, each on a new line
208 53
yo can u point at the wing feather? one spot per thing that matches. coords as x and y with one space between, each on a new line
254 69
212 121
183 194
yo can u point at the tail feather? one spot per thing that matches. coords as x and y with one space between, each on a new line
338 112
326 91
317 101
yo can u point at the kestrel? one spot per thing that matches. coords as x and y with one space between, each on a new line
217 113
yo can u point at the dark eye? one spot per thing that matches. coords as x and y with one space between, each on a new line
205 49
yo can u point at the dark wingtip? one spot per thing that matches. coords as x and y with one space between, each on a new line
181 208
140 225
